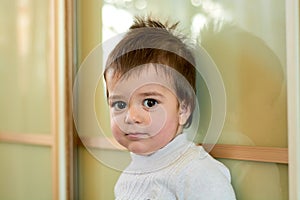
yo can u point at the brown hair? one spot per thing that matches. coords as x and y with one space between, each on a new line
149 41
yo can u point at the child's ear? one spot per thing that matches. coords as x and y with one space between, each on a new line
184 112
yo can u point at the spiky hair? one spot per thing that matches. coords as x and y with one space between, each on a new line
149 41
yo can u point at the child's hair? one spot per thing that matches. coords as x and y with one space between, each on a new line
145 43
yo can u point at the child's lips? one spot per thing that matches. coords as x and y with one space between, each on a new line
136 136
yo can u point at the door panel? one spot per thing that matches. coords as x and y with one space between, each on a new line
25 172
24 72
258 180
247 41
28 101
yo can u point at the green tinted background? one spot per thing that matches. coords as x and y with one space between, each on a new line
25 170
248 46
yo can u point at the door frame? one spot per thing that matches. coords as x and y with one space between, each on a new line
293 96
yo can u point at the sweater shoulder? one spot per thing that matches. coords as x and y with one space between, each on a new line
198 163
203 177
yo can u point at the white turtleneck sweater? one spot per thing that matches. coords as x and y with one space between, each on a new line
180 170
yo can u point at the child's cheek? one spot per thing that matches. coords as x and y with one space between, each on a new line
119 135
157 121
116 131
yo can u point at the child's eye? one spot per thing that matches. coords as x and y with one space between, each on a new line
149 103
119 105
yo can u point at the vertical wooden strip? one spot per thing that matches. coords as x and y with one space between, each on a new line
53 84
69 38
293 82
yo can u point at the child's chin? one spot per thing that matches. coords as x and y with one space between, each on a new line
144 153
140 150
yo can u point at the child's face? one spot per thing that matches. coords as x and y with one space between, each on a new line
144 111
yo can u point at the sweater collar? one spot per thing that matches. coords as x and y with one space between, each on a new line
161 158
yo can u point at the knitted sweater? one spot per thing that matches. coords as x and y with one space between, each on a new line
180 170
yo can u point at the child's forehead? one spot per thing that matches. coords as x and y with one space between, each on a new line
147 72
140 76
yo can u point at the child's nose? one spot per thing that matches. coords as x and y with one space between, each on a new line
134 115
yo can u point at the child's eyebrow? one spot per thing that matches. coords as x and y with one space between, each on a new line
114 97
145 94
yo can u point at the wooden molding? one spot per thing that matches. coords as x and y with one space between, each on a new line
26 138
68 81
235 152
251 153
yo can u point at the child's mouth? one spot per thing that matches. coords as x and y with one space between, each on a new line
136 136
